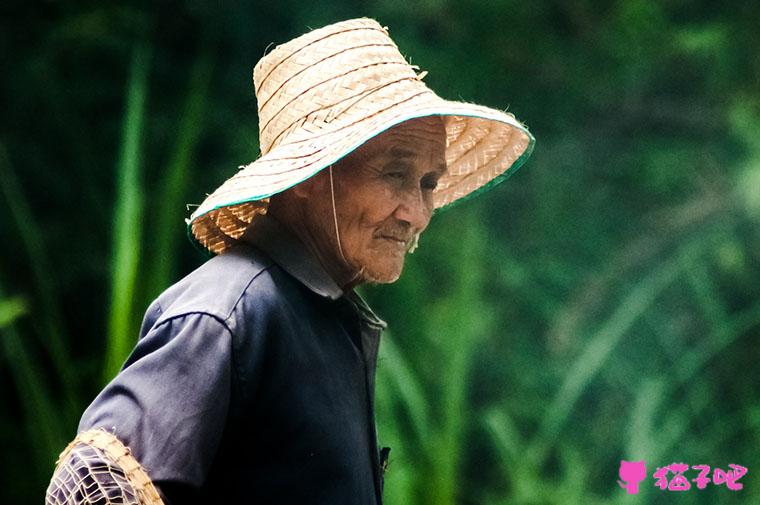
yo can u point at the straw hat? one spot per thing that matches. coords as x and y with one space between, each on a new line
324 94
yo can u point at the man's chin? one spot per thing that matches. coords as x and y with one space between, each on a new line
380 275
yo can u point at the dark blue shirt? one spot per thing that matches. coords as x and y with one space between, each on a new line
252 382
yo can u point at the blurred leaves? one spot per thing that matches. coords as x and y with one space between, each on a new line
601 305
43 433
51 327
11 309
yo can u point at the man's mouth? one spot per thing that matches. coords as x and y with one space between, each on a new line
397 240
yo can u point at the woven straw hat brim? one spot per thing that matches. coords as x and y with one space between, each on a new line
489 138
323 95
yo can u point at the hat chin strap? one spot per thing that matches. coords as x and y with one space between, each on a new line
337 232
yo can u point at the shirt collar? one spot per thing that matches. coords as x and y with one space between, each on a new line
271 237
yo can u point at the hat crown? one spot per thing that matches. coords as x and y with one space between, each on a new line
318 81
323 95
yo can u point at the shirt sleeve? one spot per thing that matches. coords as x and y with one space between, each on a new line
170 401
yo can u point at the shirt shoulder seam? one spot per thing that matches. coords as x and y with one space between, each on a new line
245 290
216 317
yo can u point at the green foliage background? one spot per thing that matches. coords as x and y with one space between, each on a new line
601 305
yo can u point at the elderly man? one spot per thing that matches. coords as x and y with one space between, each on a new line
253 377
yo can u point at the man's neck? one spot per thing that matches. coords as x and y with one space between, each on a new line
322 244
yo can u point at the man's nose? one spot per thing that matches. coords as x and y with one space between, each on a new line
414 209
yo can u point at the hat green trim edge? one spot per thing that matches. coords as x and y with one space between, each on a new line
518 163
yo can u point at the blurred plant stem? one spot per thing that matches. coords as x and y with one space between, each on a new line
128 213
458 328
42 422
11 309
168 226
52 332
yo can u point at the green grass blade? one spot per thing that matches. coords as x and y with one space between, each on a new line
11 309
672 435
404 470
717 340
649 397
45 432
53 329
509 446
169 225
640 442
461 323
706 293
127 232
396 374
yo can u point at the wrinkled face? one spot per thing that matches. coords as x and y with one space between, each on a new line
384 196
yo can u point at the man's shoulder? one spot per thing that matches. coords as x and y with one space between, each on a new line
219 285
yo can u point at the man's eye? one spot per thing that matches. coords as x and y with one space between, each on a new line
395 175
429 183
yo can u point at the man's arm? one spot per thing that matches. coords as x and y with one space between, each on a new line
168 406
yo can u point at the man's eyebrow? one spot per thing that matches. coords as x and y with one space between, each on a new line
401 152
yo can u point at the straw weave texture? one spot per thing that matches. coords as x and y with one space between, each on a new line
322 95
97 468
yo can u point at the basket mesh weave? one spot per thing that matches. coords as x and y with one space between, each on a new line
96 468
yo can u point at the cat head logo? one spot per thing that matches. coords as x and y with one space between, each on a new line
632 472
